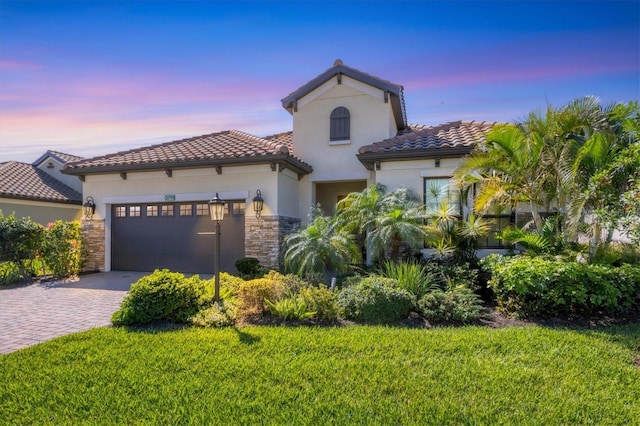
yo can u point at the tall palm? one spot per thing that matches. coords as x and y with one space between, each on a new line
507 169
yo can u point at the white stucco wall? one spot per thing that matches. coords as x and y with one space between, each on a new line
410 174
371 121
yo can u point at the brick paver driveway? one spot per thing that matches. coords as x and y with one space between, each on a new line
39 312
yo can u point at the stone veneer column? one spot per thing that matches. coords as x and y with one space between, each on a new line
263 239
93 241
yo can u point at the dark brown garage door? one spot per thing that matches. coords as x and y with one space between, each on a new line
149 236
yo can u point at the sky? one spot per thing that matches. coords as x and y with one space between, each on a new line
95 77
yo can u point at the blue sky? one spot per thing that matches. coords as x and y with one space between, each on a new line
93 77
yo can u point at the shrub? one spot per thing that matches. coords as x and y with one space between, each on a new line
61 249
9 273
451 275
20 241
459 304
162 295
216 315
290 308
249 268
252 294
375 299
290 282
322 301
527 286
411 276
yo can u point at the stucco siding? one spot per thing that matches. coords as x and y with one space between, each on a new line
411 174
40 212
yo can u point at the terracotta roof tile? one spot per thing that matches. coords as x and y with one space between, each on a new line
26 181
457 135
206 149
60 156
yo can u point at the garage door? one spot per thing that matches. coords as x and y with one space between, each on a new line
176 236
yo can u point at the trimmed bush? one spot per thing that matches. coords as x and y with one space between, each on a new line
249 268
529 286
62 248
459 304
160 296
216 315
375 299
252 295
322 301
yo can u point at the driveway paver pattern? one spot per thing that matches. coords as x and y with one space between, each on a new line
43 311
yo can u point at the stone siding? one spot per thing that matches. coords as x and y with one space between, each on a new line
93 241
264 239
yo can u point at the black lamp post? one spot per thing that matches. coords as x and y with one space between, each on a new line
216 210
89 208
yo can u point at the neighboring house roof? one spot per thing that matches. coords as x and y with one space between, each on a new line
27 182
395 91
230 147
60 156
451 139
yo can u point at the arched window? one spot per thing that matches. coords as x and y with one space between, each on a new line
340 125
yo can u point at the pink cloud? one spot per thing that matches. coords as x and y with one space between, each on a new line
17 65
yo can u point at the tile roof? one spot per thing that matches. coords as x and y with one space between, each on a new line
226 147
60 156
395 90
453 138
26 181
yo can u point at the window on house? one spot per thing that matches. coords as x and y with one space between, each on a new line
441 195
340 125
134 211
238 208
167 210
202 209
121 211
152 211
186 210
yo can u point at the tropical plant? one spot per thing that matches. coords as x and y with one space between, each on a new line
386 220
410 275
320 246
292 307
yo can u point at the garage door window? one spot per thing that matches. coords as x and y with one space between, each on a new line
134 211
121 211
186 209
202 209
167 210
152 211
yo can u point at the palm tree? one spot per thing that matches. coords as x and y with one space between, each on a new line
319 247
401 223
383 219
507 169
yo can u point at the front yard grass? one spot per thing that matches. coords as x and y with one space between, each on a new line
335 375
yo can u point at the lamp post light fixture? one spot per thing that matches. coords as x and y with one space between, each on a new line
89 208
258 204
216 210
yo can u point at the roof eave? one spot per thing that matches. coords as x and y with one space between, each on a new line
42 199
368 159
293 163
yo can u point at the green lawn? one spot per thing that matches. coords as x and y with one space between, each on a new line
350 375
